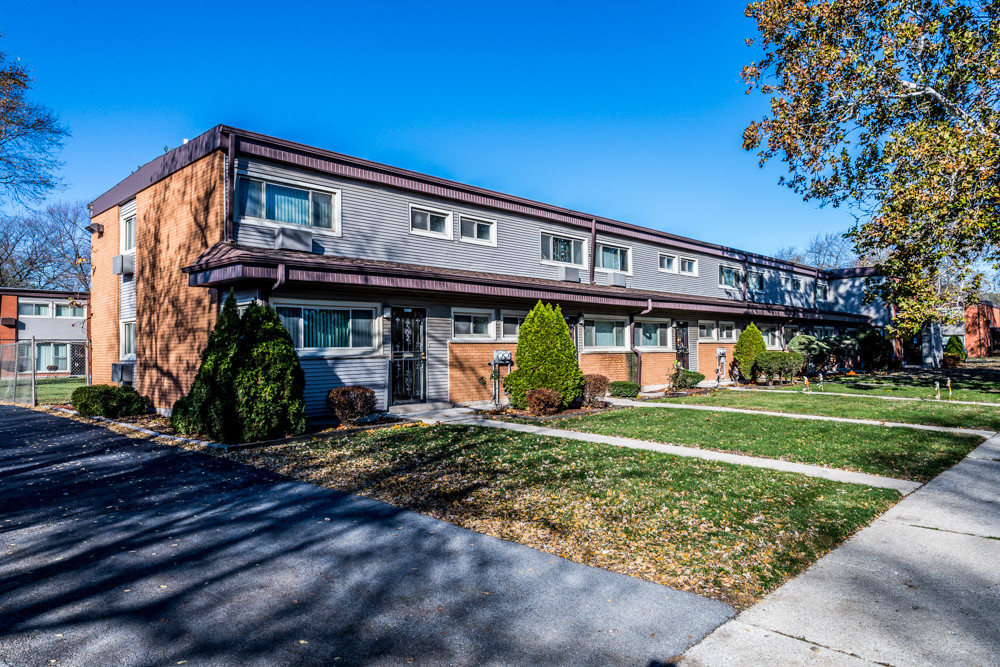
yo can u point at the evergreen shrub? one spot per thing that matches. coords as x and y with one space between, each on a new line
623 389
784 365
815 353
874 350
351 403
685 379
954 346
101 400
748 346
545 357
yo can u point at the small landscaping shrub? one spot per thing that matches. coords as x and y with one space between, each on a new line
952 360
351 403
623 389
543 401
748 346
773 363
954 346
100 400
844 348
874 350
685 379
545 358
815 353
594 388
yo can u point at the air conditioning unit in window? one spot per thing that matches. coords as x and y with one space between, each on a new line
124 372
569 274
617 279
123 265
286 238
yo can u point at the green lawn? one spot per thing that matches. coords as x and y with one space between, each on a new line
730 532
910 386
48 391
863 407
893 452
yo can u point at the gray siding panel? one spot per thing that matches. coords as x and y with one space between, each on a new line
847 296
126 298
324 374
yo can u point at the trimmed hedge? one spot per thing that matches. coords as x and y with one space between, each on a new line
685 379
623 389
748 346
543 401
545 358
351 403
101 400
773 363
595 386
955 346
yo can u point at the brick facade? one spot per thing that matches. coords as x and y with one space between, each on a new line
656 368
979 319
467 362
707 359
177 218
103 329
8 308
612 365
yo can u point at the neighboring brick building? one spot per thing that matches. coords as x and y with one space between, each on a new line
982 329
56 319
408 283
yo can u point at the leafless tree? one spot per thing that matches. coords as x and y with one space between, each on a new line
30 136
46 249
830 250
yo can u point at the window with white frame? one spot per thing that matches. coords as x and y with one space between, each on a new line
771 336
689 266
791 283
477 230
755 281
706 330
562 249
430 222
511 324
727 331
334 327
472 324
668 263
128 340
70 310
51 358
128 235
33 309
286 204
603 333
612 258
652 334
822 291
729 277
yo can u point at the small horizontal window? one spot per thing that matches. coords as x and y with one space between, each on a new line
329 328
285 204
755 281
706 330
652 334
562 250
33 309
668 263
66 310
791 283
478 231
727 331
612 258
604 333
512 325
729 277
471 325
430 223
689 266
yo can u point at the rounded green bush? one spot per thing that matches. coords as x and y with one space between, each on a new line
623 389
101 400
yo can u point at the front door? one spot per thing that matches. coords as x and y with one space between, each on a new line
408 363
681 344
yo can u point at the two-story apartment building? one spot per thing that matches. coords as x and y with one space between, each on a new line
408 283
55 319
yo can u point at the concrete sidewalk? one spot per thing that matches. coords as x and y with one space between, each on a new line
920 586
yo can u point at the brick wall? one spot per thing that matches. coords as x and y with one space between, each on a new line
103 329
612 365
8 308
177 219
467 362
656 368
978 320
707 359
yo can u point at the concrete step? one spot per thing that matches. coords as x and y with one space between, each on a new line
413 408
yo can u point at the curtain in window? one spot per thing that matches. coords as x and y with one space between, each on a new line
43 357
608 334
362 333
287 204
326 328
322 210
59 357
610 258
250 198
291 318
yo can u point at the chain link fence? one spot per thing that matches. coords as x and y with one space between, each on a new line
43 372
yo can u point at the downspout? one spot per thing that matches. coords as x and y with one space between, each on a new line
230 197
282 272
631 341
593 247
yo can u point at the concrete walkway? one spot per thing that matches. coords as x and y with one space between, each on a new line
121 551
880 398
793 415
903 486
920 586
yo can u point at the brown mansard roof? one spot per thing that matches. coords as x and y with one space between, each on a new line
225 263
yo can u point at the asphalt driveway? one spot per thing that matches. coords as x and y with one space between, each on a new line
119 551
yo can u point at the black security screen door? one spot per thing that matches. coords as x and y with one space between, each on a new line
408 364
681 344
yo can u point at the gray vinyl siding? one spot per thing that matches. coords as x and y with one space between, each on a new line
847 296
126 298
50 328
324 374
375 224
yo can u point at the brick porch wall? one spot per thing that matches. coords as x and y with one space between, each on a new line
612 365
707 359
656 368
467 362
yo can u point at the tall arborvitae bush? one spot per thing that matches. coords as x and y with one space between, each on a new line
250 384
954 346
749 345
545 358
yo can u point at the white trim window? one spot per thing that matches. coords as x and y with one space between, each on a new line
755 281
284 204
34 309
472 324
560 249
425 221
51 358
70 311
128 235
689 266
477 230
604 333
706 330
791 283
772 340
127 337
652 334
822 290
613 258
668 263
790 332
510 324
331 328
729 277
728 331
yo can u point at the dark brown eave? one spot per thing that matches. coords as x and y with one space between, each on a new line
225 263
32 293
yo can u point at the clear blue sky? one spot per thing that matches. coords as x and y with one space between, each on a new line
633 111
